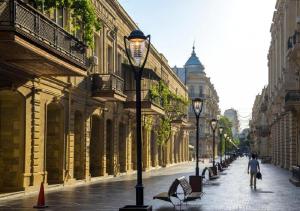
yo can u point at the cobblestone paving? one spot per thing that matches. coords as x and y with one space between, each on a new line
230 192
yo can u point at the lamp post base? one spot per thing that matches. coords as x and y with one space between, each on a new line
196 183
136 208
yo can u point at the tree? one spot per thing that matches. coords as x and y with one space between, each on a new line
175 107
226 124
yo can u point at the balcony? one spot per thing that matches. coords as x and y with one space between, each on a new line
34 44
294 46
182 120
108 87
149 105
292 99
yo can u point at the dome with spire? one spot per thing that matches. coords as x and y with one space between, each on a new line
194 61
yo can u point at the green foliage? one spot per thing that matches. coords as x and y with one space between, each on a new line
163 132
226 124
83 15
175 106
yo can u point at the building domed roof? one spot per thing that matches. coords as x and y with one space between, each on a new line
194 60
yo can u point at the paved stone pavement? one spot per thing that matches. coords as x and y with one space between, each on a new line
230 192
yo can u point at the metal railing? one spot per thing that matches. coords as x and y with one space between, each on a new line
292 95
107 82
16 15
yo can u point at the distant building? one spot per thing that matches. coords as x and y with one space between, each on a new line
232 115
260 131
199 85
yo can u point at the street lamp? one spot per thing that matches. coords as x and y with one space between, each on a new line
197 106
221 133
135 54
196 180
225 137
226 153
213 124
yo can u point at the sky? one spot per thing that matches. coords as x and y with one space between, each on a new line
232 38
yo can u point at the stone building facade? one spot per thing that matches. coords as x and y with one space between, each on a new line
199 85
281 98
232 115
67 114
260 132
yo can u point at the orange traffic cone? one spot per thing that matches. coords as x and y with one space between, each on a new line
41 199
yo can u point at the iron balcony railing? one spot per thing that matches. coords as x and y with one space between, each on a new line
18 16
292 95
107 82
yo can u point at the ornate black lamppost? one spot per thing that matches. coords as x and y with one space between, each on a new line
221 133
197 106
213 124
225 138
137 44
196 181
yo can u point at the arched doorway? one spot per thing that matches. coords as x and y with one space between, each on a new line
96 147
79 146
109 148
55 152
12 138
122 147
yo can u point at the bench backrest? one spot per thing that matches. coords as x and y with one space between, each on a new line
187 189
173 188
211 172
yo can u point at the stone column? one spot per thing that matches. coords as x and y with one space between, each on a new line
129 144
87 134
145 147
37 149
115 149
172 147
295 133
70 141
281 136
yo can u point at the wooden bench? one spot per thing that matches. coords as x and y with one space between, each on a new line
188 195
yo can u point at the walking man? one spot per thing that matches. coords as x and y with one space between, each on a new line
253 166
